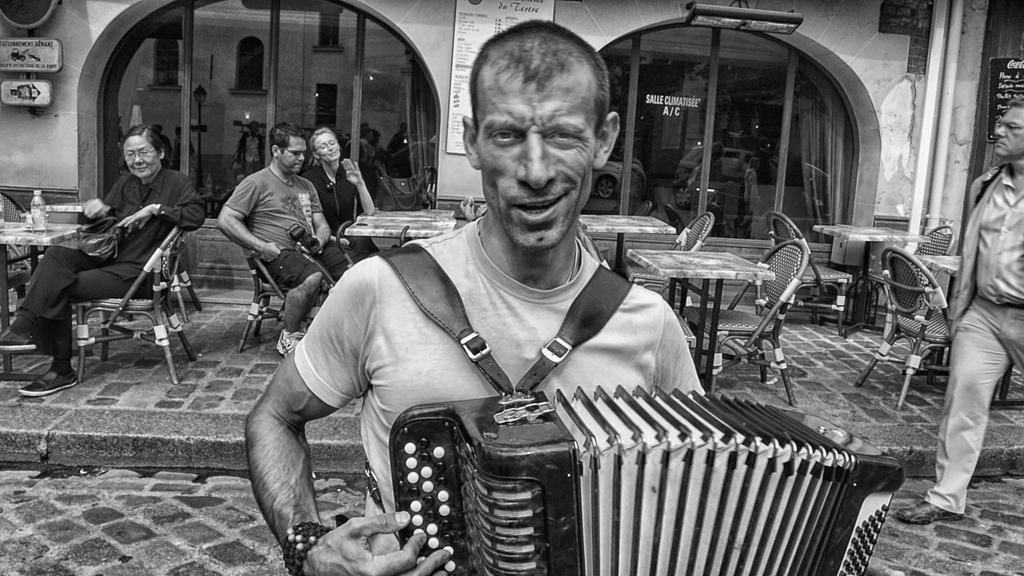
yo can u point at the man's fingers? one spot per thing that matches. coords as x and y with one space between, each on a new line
432 564
382 524
405 560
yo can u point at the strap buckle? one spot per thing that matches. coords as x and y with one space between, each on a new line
528 412
475 346
556 350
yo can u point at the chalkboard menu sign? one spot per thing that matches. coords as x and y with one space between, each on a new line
1006 82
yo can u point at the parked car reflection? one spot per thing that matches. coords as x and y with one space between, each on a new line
608 179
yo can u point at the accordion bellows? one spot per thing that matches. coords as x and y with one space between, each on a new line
635 483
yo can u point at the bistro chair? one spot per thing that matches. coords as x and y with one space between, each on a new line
264 289
180 279
940 243
916 309
644 209
815 278
156 308
674 219
691 239
755 337
20 271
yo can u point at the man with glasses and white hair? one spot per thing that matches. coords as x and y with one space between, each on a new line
259 215
986 317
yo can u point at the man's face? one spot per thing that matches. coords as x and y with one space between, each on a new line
536 150
289 160
1010 135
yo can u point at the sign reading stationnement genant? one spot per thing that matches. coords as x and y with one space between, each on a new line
1006 82
36 55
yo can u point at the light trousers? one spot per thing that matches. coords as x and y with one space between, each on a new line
990 337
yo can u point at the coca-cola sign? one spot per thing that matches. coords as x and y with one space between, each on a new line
1006 82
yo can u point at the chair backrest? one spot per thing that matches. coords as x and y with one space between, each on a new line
911 288
12 210
781 228
261 277
673 218
940 242
692 238
644 209
155 270
788 261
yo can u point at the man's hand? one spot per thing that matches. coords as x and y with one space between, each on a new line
95 208
139 219
268 251
345 551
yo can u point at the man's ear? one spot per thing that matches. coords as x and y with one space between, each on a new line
469 141
606 136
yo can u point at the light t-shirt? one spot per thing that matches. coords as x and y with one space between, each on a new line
271 205
370 339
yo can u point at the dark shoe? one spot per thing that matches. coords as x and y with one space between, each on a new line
49 383
11 342
925 513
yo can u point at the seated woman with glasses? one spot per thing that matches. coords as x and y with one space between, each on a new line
341 200
148 202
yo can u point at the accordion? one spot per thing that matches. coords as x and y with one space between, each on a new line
638 483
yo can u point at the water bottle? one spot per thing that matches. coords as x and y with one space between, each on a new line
38 209
208 184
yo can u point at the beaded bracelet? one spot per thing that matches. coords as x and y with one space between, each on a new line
301 538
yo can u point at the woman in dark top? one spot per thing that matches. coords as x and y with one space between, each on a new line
149 202
342 200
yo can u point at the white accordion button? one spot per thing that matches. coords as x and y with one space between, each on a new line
444 510
433 542
418 531
449 550
416 506
413 477
439 452
428 486
449 566
411 463
442 496
431 529
410 448
427 471
417 520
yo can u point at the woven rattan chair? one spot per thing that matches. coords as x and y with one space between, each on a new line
157 309
674 219
940 243
743 336
691 239
264 288
19 272
815 278
180 280
916 309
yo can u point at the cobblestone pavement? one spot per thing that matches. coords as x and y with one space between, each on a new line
123 523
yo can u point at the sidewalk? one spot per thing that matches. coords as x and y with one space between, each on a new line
128 414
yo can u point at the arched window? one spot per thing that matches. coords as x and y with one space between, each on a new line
249 71
165 62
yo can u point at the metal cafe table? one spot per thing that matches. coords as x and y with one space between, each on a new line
17 234
417 224
860 292
622 225
683 267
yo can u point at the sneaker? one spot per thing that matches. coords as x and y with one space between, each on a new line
49 383
286 343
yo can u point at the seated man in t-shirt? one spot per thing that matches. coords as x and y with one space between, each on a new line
259 215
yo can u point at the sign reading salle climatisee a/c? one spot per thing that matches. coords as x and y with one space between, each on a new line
34 55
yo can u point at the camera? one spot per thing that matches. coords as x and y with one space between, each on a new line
304 239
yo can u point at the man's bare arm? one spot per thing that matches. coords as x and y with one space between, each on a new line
231 223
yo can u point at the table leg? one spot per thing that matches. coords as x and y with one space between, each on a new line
716 308
5 305
859 296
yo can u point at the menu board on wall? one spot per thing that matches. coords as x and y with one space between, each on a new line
475 22
1006 82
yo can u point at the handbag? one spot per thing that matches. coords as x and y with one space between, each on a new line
399 194
100 239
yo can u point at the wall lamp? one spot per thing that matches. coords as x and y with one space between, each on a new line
743 18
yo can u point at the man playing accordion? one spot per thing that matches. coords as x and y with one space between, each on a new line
540 126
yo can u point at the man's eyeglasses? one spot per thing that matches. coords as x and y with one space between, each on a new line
143 153
295 152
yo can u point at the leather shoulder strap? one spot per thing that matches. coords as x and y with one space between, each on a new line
587 315
436 296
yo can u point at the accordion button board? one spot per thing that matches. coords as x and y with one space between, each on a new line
636 483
